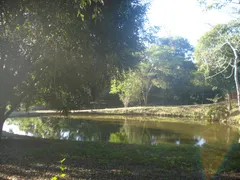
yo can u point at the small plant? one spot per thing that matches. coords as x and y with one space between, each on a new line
62 168
218 113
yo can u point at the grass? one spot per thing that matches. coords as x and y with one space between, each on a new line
33 159
196 112
193 112
39 159
165 111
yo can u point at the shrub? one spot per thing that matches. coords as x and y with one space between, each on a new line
218 112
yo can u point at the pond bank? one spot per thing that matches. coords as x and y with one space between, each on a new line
197 112
39 159
163 111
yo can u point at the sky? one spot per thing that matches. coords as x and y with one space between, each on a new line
184 18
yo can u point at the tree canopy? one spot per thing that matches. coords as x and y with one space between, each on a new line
63 52
166 67
217 55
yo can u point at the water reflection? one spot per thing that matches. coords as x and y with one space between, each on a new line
132 132
178 142
200 141
62 128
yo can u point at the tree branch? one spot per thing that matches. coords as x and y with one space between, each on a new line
218 72
230 74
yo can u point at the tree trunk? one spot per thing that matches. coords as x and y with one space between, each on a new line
2 120
229 99
1 128
146 99
203 97
148 89
236 79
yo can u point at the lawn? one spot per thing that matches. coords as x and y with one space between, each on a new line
39 159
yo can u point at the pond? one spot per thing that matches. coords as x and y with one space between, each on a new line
214 140
123 131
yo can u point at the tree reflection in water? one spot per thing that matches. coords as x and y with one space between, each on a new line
65 128
126 131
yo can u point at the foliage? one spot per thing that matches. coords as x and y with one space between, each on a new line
148 77
217 55
218 112
213 54
172 65
166 66
118 137
232 5
127 88
167 74
49 47
215 99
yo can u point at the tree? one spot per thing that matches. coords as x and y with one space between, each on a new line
25 31
128 87
165 65
150 73
171 63
233 5
49 47
146 75
218 53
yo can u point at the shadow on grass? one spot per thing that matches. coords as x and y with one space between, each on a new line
35 159
230 167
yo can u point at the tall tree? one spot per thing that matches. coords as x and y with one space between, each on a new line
172 62
217 53
49 47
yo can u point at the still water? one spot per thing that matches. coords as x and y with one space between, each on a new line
123 131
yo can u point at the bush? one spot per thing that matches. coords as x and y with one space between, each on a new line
217 113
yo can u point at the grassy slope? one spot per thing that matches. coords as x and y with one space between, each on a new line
189 111
192 111
177 111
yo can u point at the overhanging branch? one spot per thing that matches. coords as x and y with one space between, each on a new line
209 77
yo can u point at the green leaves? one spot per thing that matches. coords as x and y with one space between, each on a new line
17 27
214 56
62 168
164 65
54 178
62 161
221 5
127 87
48 49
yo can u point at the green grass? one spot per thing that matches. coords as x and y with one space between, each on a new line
231 161
192 112
165 111
39 159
